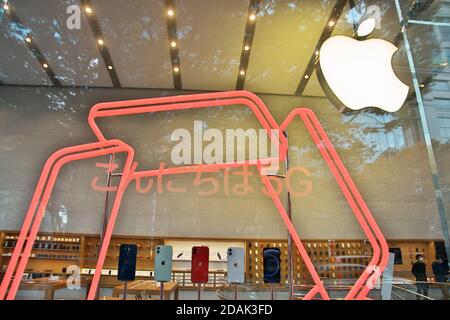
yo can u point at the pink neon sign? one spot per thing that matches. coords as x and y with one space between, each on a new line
105 146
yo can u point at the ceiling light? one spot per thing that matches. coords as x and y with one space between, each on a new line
110 67
242 72
88 10
422 85
170 13
176 69
307 77
100 42
252 17
28 39
246 48
6 6
444 64
331 23
45 66
173 44
360 75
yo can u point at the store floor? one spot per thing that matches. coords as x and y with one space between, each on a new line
80 294
66 294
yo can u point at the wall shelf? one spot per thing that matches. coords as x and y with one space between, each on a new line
335 260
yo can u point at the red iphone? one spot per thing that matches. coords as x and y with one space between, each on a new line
200 264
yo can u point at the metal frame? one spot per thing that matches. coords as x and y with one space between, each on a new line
424 122
104 146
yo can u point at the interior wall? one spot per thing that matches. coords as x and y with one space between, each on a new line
385 155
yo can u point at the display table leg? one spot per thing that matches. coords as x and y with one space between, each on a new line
199 292
176 294
125 289
49 294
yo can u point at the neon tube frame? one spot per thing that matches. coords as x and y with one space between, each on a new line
105 146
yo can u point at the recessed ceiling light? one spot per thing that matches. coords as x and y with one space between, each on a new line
170 13
100 42
110 67
242 72
45 66
173 44
331 23
246 48
252 17
317 52
422 85
28 39
88 10
176 69
307 77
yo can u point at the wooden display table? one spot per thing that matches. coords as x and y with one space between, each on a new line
50 286
128 299
150 287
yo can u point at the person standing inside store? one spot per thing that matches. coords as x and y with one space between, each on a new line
440 270
419 270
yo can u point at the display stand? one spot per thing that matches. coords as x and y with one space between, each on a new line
290 245
125 289
272 292
199 292
161 294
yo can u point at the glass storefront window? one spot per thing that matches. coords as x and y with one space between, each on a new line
60 59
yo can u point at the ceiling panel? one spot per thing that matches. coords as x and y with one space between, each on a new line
18 65
210 38
72 54
286 35
210 34
137 39
313 88
343 27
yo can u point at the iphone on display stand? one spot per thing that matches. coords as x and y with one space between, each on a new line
236 267
127 265
199 266
272 270
163 266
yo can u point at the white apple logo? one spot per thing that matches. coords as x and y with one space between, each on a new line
359 73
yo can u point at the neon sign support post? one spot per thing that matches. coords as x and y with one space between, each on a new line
105 146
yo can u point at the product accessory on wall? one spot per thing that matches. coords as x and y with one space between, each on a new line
105 146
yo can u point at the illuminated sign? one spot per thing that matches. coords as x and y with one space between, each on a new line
107 146
358 74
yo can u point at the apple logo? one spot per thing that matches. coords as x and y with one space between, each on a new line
358 74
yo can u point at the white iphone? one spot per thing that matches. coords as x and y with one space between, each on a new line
236 265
